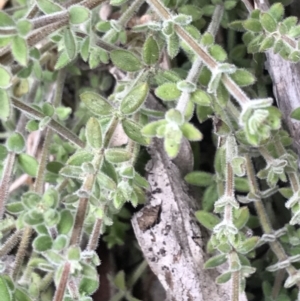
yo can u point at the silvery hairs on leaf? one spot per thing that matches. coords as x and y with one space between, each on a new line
170 237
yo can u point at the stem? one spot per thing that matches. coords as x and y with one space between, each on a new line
94 238
208 60
57 127
61 287
10 243
125 17
235 288
264 219
21 251
5 182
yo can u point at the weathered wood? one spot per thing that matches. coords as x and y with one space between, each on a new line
170 237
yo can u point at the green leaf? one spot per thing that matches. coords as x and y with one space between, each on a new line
93 133
294 32
96 103
106 182
199 178
70 44
6 21
134 99
168 92
5 77
209 198
5 291
218 53
150 129
241 217
29 164
174 116
191 132
223 278
248 245
215 261
81 156
267 43
78 14
268 22
277 11
74 172
66 222
22 295
85 49
24 27
252 25
296 114
4 105
14 208
20 50
117 155
119 280
192 10
48 7
207 219
88 286
133 131
15 143
173 45
150 51
62 60
203 113
241 184
287 192
171 147
243 77
73 253
125 60
42 243
201 98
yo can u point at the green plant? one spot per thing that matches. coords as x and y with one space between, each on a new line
86 169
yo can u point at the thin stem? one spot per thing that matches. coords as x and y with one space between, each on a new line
264 219
235 287
125 17
10 243
5 181
208 60
21 251
57 127
61 287
94 238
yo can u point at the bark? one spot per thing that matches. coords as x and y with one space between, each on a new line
170 238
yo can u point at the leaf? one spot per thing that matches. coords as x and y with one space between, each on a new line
6 21
215 261
78 14
42 243
248 245
173 44
62 60
15 143
66 222
171 147
296 114
88 286
150 51
150 129
93 133
223 278
20 50
252 25
70 44
134 99
29 164
207 219
106 182
168 92
268 22
125 60
217 52
73 253
15 207
277 11
48 7
4 105
85 49
96 103
241 184
5 77
191 132
203 113
241 217
24 27
133 131
5 292
119 280
3 152
192 10
243 77
81 156
74 172
117 155
22 295
201 98
199 178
